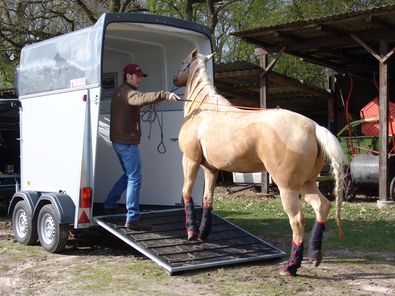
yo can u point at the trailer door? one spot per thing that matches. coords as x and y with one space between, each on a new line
52 134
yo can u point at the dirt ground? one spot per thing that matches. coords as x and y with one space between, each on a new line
97 264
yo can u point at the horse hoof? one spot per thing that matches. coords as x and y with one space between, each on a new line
192 235
317 259
284 272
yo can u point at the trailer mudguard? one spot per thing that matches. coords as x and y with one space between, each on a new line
31 198
63 204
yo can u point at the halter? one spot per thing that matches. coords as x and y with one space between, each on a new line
186 67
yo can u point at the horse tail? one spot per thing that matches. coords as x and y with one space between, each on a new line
334 153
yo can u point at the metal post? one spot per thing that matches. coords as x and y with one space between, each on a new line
383 107
263 81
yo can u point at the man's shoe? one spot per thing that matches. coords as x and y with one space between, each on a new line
137 225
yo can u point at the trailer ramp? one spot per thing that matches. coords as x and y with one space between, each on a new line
166 243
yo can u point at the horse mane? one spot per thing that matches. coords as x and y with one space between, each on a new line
200 88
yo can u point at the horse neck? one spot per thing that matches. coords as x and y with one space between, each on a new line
200 91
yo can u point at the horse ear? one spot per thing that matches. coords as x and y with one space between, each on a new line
194 52
208 57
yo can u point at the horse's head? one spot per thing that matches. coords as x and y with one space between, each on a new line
182 76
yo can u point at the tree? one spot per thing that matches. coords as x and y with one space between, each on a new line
27 21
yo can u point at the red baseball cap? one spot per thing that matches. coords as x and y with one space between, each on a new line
134 69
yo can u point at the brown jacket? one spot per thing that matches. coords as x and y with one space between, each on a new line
125 112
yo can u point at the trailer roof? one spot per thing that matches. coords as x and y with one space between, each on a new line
146 18
74 60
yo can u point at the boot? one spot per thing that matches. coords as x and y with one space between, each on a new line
205 224
190 220
295 259
315 252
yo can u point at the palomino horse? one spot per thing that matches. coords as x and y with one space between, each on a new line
291 147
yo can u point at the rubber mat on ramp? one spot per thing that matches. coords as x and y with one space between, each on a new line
166 243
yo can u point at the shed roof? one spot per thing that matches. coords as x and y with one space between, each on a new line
331 41
239 81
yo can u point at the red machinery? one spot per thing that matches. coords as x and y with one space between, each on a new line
363 171
371 110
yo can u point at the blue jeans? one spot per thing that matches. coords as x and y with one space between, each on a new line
129 157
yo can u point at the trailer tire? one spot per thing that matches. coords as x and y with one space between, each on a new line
53 236
24 229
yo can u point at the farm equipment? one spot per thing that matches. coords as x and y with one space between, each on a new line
362 156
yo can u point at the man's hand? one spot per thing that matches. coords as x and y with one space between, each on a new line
174 97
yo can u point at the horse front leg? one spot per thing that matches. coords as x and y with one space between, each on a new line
190 169
291 205
321 208
210 177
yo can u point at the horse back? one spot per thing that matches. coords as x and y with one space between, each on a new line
272 140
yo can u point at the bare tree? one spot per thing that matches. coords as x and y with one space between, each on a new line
28 21
210 11
125 6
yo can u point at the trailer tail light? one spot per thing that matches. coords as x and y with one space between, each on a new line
86 197
83 218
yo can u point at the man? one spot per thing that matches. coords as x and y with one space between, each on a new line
125 133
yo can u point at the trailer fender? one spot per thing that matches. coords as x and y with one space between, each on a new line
30 197
62 203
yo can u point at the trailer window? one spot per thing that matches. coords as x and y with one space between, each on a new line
68 61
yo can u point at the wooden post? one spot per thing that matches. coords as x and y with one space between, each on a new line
382 57
383 107
263 61
331 103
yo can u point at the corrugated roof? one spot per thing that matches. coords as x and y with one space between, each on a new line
327 19
240 83
331 41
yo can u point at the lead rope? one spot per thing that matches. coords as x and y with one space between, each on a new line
161 144
150 115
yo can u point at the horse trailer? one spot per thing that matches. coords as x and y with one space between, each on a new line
67 162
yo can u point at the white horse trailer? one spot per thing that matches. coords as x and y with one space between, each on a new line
68 165
65 86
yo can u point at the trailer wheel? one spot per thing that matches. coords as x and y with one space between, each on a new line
53 236
24 229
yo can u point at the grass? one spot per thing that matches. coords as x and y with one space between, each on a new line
369 233
367 227
17 251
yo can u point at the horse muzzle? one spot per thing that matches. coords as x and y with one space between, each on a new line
177 82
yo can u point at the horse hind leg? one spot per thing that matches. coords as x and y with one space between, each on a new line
191 169
210 177
291 205
321 207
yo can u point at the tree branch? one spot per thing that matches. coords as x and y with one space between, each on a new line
87 11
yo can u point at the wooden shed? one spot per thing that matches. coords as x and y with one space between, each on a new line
358 49
240 83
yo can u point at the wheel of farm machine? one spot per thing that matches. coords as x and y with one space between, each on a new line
25 230
392 189
53 236
350 193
